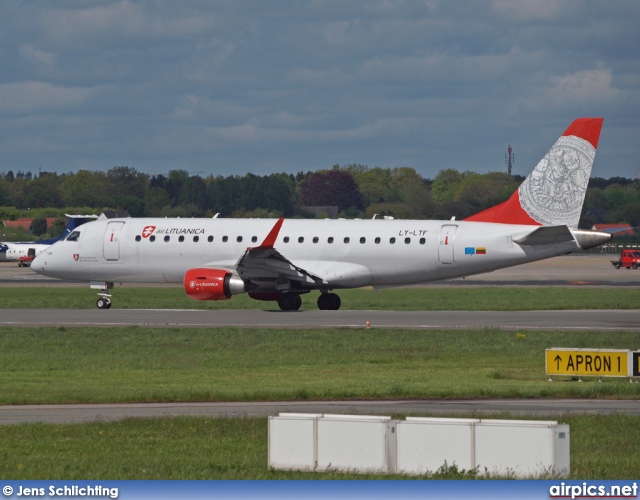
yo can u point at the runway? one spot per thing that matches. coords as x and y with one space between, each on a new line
606 320
63 414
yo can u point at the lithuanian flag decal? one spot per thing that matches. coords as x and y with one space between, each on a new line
481 251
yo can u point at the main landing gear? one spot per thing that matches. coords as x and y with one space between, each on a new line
291 301
329 302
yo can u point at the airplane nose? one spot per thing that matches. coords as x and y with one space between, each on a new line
38 263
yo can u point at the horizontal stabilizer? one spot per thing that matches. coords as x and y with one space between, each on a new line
546 235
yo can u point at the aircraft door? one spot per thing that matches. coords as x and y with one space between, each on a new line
445 246
111 243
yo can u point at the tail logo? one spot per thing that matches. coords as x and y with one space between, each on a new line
554 192
76 257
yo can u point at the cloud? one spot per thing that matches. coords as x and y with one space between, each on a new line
38 56
528 10
33 97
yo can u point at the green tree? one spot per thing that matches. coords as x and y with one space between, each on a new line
174 183
155 199
446 185
132 204
39 226
42 192
279 195
374 183
193 192
331 188
127 181
84 188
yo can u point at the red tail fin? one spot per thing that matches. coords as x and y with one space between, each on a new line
552 195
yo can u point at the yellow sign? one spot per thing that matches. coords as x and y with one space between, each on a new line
587 362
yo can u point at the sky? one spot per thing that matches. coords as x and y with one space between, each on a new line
228 87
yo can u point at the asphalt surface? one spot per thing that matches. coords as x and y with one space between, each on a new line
607 320
62 414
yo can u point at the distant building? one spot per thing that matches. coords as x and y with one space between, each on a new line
25 223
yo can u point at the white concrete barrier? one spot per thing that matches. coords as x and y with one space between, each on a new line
354 443
426 444
518 448
524 448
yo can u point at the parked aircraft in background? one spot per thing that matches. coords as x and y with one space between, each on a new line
280 260
12 251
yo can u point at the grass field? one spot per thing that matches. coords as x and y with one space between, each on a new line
134 364
602 447
137 364
489 298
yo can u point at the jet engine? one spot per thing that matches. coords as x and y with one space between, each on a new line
212 284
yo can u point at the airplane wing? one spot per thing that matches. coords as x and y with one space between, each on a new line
265 263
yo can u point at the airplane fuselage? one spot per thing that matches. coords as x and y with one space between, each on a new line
343 253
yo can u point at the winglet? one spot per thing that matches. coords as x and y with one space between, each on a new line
270 240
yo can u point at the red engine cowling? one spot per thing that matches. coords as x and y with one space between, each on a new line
212 284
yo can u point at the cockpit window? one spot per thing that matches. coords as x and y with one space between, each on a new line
74 236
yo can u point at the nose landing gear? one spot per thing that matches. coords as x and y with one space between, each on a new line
104 303
104 300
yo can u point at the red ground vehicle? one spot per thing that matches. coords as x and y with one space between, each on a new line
25 261
629 259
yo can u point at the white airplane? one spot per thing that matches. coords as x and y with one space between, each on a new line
278 261
13 250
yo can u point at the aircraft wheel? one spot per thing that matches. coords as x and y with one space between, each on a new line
324 301
335 301
290 301
108 306
102 303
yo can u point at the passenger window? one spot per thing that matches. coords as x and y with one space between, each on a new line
167 238
286 239
363 240
301 239
196 239
152 237
330 239
254 239
407 240
377 240
181 239
316 239
423 241
392 241
239 239
138 237
347 239
225 239
74 236
210 239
